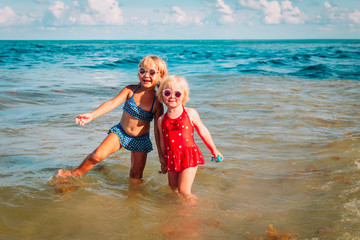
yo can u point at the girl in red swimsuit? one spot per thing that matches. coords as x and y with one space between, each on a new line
176 127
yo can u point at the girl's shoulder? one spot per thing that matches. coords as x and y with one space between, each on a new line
193 115
131 87
129 90
190 111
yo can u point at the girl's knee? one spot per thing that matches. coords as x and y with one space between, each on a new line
136 174
97 156
138 162
184 190
174 187
136 171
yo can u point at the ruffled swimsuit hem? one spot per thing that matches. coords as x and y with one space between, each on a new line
175 159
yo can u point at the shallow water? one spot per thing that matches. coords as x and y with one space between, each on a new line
289 136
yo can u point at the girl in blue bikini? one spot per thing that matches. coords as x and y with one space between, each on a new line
132 133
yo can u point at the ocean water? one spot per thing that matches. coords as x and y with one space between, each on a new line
285 115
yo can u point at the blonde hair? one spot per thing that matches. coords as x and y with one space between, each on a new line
157 61
174 79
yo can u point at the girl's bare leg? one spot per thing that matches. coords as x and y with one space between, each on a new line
186 179
173 178
138 161
110 145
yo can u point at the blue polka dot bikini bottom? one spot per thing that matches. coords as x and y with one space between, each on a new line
135 144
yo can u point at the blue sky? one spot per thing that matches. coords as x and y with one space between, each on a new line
179 19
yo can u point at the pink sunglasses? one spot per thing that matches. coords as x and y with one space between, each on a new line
167 93
143 71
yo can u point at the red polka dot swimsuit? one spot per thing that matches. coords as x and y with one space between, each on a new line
180 149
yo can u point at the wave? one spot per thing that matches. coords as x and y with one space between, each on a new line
320 71
120 63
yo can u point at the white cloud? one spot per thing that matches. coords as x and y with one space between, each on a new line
106 11
327 5
292 14
355 16
83 19
177 15
225 9
8 17
252 4
334 19
58 9
198 21
275 11
335 13
180 16
272 11
92 12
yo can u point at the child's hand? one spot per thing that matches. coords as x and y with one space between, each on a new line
65 173
215 156
83 119
164 168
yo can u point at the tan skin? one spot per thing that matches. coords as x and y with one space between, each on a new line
143 98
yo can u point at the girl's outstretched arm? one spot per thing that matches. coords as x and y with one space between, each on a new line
203 132
104 108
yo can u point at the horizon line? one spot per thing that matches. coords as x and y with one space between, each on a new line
185 39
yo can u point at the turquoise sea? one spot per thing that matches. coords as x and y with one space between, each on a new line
284 113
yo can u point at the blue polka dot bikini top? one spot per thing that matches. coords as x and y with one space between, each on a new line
135 111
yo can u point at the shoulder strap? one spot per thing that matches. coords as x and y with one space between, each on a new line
135 90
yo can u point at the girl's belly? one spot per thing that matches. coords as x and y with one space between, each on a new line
134 127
